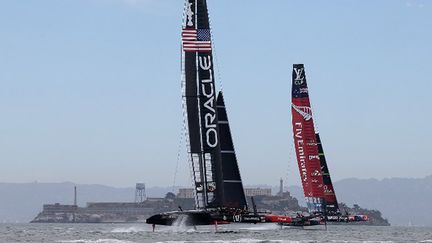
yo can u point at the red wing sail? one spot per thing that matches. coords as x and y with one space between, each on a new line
305 142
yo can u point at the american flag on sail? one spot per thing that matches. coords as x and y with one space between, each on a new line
196 40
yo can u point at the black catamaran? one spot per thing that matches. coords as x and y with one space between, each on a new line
219 194
317 185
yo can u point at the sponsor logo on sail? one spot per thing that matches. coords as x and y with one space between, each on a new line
208 96
304 111
189 15
327 190
299 79
316 173
211 186
199 187
303 90
301 150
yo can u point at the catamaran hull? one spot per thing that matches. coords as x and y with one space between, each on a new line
349 218
193 218
186 218
302 223
205 217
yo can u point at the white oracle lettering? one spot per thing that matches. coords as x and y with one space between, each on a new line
205 63
212 133
209 120
204 89
210 80
208 91
299 76
209 104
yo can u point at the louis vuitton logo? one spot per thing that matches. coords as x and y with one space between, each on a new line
299 79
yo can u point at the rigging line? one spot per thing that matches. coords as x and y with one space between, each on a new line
292 158
182 129
178 158
217 69
185 131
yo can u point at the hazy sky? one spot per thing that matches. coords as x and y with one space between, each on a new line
90 89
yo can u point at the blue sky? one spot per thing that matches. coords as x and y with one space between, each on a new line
90 89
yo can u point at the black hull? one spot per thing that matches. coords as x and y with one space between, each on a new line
302 223
187 218
210 217
204 217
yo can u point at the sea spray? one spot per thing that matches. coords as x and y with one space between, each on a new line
133 229
179 225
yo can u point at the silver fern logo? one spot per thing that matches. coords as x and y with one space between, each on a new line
304 111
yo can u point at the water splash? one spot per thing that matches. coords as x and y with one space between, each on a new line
179 225
133 229
262 227
181 220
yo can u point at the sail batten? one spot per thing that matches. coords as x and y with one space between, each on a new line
233 193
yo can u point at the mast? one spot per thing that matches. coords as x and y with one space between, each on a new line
331 204
199 95
305 142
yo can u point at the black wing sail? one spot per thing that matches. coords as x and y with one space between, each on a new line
200 100
330 201
234 196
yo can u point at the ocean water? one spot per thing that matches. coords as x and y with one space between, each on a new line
241 233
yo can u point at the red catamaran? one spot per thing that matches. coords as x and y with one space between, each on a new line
315 177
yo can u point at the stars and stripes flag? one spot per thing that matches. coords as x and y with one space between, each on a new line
196 40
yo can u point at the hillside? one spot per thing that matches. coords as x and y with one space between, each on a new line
400 200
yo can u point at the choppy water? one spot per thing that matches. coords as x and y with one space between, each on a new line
242 233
